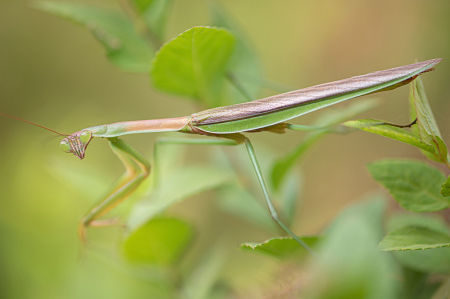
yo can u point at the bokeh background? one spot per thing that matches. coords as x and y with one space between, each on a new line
54 73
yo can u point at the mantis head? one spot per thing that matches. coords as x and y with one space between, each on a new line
76 143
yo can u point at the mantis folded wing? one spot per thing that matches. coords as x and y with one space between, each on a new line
229 122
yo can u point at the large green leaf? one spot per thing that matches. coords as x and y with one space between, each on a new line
160 241
244 66
183 183
349 264
377 127
154 13
413 238
193 64
281 247
282 166
111 28
428 128
414 185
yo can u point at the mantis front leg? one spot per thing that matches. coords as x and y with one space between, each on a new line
137 168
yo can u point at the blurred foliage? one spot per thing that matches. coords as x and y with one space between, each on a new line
177 248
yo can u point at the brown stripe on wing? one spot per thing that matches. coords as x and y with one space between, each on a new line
298 97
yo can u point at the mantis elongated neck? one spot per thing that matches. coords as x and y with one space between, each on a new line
140 126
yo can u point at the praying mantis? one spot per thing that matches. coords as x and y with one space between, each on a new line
226 125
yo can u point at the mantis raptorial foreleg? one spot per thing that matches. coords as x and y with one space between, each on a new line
137 168
251 152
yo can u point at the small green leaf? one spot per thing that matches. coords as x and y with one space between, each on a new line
427 261
375 126
123 45
428 128
160 242
445 189
154 13
281 247
413 238
282 166
193 64
182 184
414 185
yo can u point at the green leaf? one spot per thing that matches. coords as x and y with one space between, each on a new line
154 13
375 126
349 264
428 128
445 189
413 238
182 184
111 28
160 241
282 247
414 185
244 64
193 64
427 261
282 166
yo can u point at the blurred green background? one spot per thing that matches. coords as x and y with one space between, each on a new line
54 73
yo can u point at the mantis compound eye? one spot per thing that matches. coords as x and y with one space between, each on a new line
65 146
85 136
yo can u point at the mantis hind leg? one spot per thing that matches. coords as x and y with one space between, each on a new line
137 168
271 207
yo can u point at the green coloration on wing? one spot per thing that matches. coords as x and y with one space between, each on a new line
113 29
160 241
281 247
414 238
414 185
376 126
193 64
271 118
